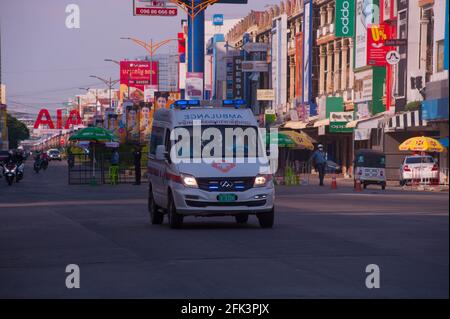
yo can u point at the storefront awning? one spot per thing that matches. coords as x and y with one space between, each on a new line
368 123
320 123
295 125
352 124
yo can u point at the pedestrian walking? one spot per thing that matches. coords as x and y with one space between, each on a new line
137 155
114 169
319 161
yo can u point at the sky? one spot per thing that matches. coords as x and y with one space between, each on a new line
44 63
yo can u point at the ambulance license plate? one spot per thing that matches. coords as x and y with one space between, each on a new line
226 198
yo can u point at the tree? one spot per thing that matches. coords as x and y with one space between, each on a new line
17 131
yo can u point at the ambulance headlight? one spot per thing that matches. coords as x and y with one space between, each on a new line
261 180
189 181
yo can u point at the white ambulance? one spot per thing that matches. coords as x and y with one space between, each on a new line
208 161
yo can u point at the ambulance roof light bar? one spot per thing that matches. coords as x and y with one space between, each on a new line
239 103
185 104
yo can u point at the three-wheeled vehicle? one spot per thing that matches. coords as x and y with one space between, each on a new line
370 168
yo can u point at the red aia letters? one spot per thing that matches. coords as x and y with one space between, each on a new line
45 119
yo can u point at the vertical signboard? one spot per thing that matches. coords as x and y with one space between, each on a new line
361 34
279 60
194 86
446 36
238 91
345 18
376 49
307 52
298 65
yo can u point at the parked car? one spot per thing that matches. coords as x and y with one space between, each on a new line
417 168
54 155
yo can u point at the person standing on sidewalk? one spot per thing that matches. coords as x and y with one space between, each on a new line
137 155
319 161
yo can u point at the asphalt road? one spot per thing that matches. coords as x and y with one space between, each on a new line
320 247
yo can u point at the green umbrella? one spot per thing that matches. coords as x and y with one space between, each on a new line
281 139
94 135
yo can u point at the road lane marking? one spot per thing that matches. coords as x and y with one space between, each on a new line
82 202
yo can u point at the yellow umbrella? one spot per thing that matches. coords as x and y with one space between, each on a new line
300 139
422 144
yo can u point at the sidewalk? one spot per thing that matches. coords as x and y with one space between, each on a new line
348 183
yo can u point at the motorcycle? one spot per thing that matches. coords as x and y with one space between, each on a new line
19 175
37 166
44 164
10 172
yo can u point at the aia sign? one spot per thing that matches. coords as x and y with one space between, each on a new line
44 119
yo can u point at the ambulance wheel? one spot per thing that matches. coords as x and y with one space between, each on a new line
266 220
156 216
175 219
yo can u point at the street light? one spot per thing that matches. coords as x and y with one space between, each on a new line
151 48
113 61
128 71
109 83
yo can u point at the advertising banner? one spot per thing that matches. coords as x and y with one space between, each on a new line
279 60
361 34
146 120
154 8
194 86
339 120
307 52
265 95
376 48
113 123
299 65
345 18
133 122
134 76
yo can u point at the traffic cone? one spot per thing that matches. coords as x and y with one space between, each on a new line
358 187
334 183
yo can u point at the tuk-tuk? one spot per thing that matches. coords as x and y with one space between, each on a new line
370 168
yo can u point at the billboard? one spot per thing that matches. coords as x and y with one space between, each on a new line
194 86
154 8
376 48
44 120
307 52
279 60
345 18
134 76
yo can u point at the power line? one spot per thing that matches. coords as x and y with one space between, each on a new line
54 90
